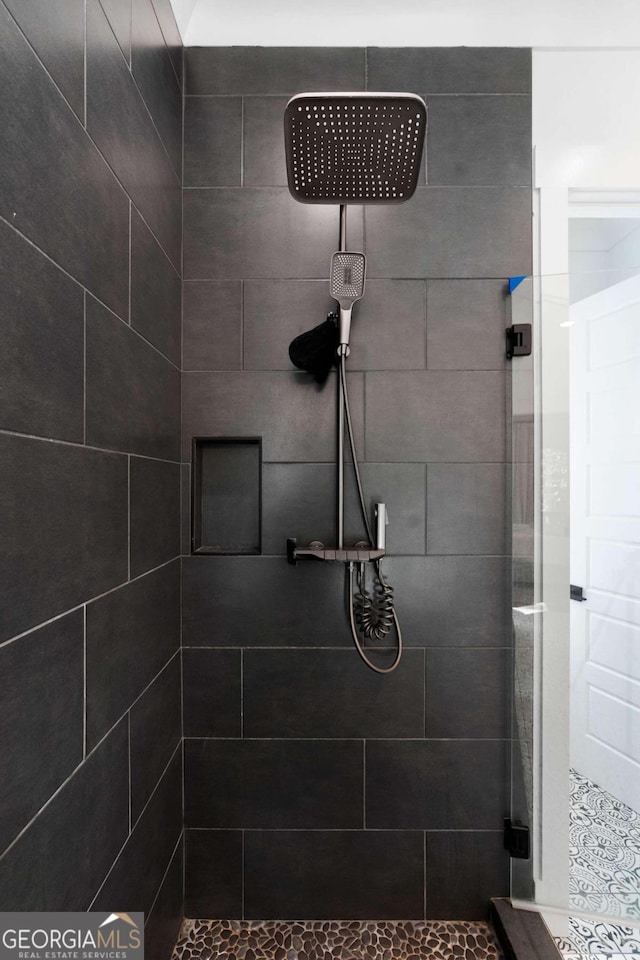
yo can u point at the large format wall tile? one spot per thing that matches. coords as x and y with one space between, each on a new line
132 392
350 875
154 521
213 678
299 501
289 606
451 232
56 32
155 292
153 72
156 731
466 508
450 69
435 416
131 634
263 139
171 34
479 140
273 70
293 415
468 693
55 187
436 784
465 869
162 925
137 873
42 327
212 325
213 141
282 690
42 716
452 601
260 232
273 783
62 858
213 873
466 320
118 13
118 121
72 503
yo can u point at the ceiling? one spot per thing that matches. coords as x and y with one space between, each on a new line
547 23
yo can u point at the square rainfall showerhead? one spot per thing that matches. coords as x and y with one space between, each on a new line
354 147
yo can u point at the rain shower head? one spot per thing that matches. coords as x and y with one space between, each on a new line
354 147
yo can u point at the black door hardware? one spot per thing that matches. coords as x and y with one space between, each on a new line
519 340
516 839
576 593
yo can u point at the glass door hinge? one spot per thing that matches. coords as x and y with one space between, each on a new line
519 340
516 839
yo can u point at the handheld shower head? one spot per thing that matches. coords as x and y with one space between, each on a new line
354 147
347 285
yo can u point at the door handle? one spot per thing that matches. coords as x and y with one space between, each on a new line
576 593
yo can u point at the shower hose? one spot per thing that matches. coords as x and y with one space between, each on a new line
373 616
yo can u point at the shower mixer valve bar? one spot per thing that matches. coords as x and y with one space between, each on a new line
344 148
318 551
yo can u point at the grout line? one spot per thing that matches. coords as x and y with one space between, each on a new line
84 712
129 58
182 176
164 876
84 64
416 738
242 693
64 270
53 796
78 606
130 263
130 780
87 446
497 833
242 880
93 295
424 696
242 367
184 831
84 368
182 728
424 872
142 813
364 784
426 509
345 649
425 319
242 141
128 517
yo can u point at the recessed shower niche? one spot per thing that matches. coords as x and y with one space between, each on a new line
226 495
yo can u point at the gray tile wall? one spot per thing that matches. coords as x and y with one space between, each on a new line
314 788
90 500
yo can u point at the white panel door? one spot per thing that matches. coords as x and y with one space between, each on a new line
605 539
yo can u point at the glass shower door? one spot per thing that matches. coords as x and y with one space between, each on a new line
575 432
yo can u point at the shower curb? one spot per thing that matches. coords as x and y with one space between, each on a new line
523 934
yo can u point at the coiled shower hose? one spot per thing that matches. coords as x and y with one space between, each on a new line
376 614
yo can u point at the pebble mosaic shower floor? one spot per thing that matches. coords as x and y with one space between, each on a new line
335 940
604 877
